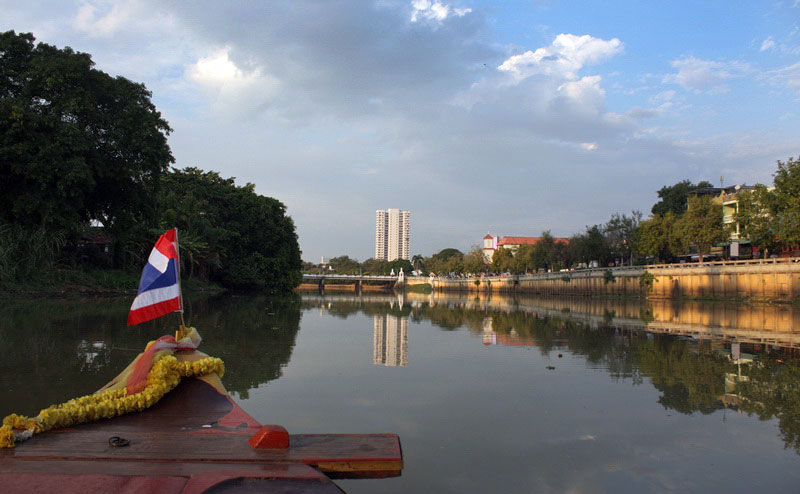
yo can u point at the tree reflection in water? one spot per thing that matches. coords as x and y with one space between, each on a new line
51 351
689 373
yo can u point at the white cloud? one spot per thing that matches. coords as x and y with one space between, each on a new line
434 11
234 91
544 92
589 146
104 18
585 93
700 75
563 58
767 44
89 19
788 77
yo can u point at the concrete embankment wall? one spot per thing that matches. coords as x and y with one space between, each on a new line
777 279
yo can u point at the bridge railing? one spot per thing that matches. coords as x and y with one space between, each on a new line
353 277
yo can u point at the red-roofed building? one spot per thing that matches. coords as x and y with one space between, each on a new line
491 244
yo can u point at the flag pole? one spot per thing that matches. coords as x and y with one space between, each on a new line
181 333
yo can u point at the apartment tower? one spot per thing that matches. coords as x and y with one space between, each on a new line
392 234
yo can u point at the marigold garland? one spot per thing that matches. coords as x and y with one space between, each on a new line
165 374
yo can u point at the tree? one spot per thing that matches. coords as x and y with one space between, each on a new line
75 143
448 260
523 259
589 246
344 265
656 237
701 225
501 260
547 253
620 233
755 218
786 201
245 240
375 266
475 261
399 264
675 197
417 261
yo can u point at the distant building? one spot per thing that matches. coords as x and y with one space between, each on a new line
392 234
491 244
737 245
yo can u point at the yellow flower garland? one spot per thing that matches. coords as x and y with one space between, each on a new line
165 374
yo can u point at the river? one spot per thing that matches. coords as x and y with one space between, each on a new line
487 394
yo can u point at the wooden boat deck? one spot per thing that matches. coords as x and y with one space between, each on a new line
194 440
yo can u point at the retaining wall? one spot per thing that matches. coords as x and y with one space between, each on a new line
771 279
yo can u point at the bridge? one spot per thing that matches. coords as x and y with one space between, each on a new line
357 280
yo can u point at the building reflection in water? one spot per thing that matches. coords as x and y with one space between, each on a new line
390 340
511 338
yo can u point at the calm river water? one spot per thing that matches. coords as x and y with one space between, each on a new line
487 395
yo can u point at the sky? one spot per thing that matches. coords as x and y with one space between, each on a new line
510 117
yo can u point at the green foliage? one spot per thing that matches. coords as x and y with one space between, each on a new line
399 264
689 381
75 143
373 266
647 279
589 246
620 234
78 145
346 265
701 225
445 254
608 277
755 218
773 390
566 279
475 261
523 259
785 202
674 198
446 261
27 255
546 252
656 237
423 288
229 233
501 260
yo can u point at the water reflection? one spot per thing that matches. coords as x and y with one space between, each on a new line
390 340
694 354
51 351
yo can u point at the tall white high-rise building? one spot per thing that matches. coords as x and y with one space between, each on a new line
392 234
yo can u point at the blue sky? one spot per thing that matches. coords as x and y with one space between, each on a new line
507 117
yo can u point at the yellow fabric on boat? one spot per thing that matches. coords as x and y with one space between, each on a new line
112 400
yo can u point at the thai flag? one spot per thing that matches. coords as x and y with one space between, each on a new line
159 287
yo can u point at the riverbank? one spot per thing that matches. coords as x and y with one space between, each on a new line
96 283
769 280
